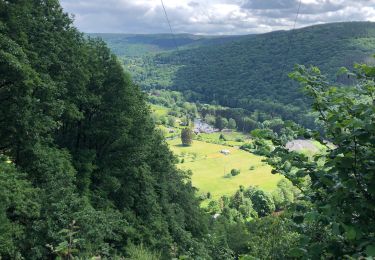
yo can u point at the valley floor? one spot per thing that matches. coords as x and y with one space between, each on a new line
211 168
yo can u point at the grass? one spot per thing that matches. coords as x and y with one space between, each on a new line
210 167
231 138
159 110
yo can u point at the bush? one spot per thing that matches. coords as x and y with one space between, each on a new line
222 137
271 238
235 172
141 253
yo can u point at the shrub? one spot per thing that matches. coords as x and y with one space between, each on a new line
141 253
222 137
235 172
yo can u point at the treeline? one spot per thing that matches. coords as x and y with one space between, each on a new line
82 170
251 72
243 220
329 212
218 116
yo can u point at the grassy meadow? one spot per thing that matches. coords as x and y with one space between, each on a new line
211 168
159 110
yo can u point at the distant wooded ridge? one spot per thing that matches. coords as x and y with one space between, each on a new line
249 71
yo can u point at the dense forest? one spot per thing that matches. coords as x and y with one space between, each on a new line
135 45
85 174
79 153
251 72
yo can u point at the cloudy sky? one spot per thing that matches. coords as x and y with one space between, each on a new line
212 16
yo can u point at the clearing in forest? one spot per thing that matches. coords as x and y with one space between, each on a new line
211 168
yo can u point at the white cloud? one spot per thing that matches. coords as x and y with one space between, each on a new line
212 16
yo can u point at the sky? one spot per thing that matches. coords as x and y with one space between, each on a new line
214 17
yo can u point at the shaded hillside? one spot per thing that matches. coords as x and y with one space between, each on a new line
83 170
139 44
251 72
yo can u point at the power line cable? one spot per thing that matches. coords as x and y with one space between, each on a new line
171 30
290 41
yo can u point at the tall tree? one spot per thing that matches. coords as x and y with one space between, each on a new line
341 194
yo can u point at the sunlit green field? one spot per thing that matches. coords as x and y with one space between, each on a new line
210 167
159 110
231 138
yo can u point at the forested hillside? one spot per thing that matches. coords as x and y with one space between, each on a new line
251 72
133 45
82 169
86 174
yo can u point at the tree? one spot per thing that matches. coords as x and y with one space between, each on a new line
271 238
232 123
249 124
187 136
221 122
19 206
210 119
171 121
339 200
80 145
263 202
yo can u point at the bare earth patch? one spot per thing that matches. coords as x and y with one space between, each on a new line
301 145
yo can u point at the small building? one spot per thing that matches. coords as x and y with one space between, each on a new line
225 152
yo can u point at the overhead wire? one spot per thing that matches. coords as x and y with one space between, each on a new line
290 41
284 65
171 30
173 34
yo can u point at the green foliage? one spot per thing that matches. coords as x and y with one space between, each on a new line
141 253
67 248
78 145
187 136
19 206
338 184
221 122
133 45
250 72
262 201
232 123
271 238
235 172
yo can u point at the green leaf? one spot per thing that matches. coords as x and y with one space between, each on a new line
350 233
370 250
297 252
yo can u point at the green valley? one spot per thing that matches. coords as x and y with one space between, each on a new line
181 146
250 72
211 168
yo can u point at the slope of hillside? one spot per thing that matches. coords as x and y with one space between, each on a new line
251 71
134 45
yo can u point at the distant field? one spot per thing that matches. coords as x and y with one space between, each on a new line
209 167
231 138
159 110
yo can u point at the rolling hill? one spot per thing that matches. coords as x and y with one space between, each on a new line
134 45
247 71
